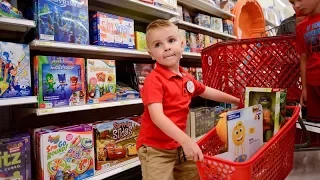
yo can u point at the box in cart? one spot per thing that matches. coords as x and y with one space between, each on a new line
115 144
63 21
59 81
112 31
270 99
200 121
245 133
15 75
101 80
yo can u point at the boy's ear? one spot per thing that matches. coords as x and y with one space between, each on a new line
151 55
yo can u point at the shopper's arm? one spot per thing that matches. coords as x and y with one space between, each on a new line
216 95
303 67
191 149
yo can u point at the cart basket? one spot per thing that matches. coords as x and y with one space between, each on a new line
273 161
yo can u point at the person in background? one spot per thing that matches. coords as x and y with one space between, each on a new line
308 45
165 151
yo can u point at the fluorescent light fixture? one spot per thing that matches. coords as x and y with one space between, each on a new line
281 3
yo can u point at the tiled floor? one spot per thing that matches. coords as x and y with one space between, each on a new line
306 166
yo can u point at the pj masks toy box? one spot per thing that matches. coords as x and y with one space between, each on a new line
15 77
63 21
59 81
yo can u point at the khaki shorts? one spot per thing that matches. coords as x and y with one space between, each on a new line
158 164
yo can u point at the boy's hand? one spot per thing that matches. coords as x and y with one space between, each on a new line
303 98
192 150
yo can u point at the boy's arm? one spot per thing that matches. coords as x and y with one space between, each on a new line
216 95
191 149
303 67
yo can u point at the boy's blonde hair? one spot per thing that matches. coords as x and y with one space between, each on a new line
158 24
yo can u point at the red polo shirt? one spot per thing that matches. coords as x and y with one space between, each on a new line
308 42
164 86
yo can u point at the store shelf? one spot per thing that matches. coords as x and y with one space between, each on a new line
129 164
191 55
18 101
269 23
51 46
199 29
313 127
206 7
65 109
143 7
18 25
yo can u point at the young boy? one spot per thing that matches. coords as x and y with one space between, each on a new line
163 146
308 45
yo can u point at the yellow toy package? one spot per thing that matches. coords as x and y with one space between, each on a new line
245 133
141 42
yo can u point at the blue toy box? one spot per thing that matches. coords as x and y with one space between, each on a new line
111 30
15 77
63 21
59 81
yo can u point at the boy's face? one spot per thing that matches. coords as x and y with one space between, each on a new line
165 45
304 7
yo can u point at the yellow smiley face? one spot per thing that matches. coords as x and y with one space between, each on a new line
238 133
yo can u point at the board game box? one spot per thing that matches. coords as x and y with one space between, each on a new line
112 31
15 154
15 76
63 21
115 143
101 78
68 153
59 81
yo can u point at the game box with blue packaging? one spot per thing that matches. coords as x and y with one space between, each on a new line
62 21
59 81
15 77
111 30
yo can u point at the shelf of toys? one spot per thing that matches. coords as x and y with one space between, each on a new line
72 83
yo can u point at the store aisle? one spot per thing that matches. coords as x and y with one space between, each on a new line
306 166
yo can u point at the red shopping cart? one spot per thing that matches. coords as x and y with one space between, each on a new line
233 66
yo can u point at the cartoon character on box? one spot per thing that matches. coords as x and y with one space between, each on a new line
101 76
112 31
60 81
70 157
15 78
63 21
115 143
265 101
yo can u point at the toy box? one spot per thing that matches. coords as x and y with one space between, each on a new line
142 70
202 20
179 10
216 24
245 133
124 92
112 31
228 27
200 121
270 100
141 42
67 152
186 15
115 144
101 78
182 34
187 48
169 4
59 81
15 151
199 74
200 42
193 42
63 21
15 77
7 10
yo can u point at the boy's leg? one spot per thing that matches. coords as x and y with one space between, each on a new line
157 164
313 103
185 169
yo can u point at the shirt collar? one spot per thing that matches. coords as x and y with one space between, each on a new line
167 73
